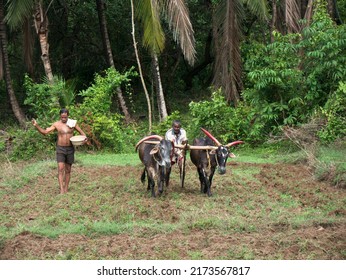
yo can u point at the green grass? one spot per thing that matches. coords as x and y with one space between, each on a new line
18 175
333 154
107 199
106 159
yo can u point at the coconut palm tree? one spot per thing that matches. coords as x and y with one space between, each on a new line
227 21
6 67
288 14
18 12
176 13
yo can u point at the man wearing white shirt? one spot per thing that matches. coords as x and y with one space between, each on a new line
177 135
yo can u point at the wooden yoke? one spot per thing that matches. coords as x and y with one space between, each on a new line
186 147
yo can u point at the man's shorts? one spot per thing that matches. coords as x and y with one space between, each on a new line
65 154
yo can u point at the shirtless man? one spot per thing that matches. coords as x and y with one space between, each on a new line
64 148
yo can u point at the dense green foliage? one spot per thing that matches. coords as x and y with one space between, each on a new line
296 78
227 122
335 113
292 78
99 120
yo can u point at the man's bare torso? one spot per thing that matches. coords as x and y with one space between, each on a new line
64 133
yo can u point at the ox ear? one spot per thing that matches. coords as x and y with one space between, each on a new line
154 150
231 155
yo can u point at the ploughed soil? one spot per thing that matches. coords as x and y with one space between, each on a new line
280 192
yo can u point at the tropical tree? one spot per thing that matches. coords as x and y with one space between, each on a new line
6 66
139 65
227 21
176 13
108 53
18 12
291 16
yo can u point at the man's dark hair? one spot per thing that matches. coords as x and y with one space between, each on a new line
176 122
63 110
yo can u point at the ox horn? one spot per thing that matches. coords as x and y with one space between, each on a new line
234 143
211 137
158 137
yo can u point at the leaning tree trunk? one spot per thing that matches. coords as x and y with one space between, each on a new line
159 90
139 65
41 26
108 54
6 65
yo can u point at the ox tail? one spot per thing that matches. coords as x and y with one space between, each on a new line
143 176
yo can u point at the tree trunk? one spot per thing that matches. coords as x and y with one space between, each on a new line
333 11
108 54
6 65
159 90
228 64
104 32
28 47
139 66
273 21
197 69
41 26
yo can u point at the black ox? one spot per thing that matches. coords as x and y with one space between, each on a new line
206 157
157 161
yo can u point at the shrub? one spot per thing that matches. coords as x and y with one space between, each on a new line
29 143
335 114
288 80
103 126
225 122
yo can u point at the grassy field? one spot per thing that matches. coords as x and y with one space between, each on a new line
264 207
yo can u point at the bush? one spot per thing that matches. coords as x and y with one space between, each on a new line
225 122
291 78
103 126
29 143
335 114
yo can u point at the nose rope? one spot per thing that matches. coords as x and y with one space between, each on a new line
208 157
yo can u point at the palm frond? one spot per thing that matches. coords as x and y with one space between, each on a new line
148 12
180 23
258 8
227 33
18 11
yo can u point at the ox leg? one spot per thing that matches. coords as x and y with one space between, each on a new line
143 178
168 174
202 179
151 185
210 181
206 181
151 181
161 179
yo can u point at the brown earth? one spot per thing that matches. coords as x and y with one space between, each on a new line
271 239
